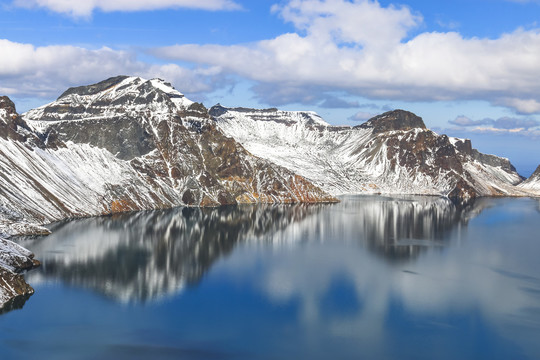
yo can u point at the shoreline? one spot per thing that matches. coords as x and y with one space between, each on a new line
14 260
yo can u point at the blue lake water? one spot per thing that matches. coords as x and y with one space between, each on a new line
368 278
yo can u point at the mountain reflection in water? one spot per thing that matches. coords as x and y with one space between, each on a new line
142 256
146 255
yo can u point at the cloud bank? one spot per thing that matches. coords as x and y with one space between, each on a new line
373 51
85 8
26 70
503 126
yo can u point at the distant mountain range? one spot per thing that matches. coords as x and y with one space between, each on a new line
393 153
128 144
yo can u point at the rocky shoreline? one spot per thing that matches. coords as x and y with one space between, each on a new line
14 260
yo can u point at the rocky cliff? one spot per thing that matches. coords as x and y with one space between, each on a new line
14 291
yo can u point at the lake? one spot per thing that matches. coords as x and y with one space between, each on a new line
372 277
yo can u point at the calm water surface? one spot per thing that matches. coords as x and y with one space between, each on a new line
369 278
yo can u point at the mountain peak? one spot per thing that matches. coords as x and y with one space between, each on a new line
125 82
7 104
394 120
114 95
94 88
11 124
7 111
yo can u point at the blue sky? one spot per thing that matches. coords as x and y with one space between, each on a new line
469 68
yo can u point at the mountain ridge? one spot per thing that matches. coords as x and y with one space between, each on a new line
392 153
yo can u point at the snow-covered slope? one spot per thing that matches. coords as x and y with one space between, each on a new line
533 182
392 153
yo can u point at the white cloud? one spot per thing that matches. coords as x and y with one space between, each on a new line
501 126
86 7
463 120
532 133
362 47
339 20
361 116
334 102
451 25
505 122
523 106
47 71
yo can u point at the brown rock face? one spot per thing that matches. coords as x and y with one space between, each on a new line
413 151
14 291
12 126
394 120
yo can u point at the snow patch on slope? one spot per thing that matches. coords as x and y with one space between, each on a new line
176 96
533 182
55 184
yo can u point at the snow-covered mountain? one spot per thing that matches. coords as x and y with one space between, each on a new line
393 153
127 144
